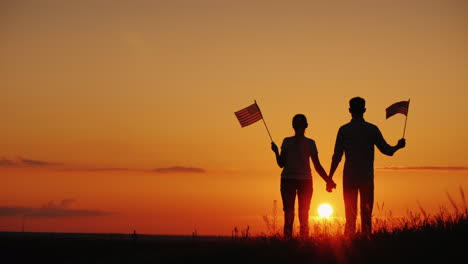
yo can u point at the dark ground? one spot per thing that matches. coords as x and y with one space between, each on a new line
403 247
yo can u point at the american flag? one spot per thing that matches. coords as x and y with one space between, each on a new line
398 108
249 115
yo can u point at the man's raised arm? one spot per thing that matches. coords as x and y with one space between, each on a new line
384 147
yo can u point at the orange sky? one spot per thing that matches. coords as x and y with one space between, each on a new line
98 94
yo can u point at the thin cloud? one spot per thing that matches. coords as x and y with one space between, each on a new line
63 213
433 168
22 163
51 210
102 169
6 162
14 211
30 162
179 169
175 169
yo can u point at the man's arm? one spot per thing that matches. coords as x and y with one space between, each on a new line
337 154
280 159
333 167
384 147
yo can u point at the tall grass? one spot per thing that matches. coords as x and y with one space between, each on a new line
424 221
384 222
271 221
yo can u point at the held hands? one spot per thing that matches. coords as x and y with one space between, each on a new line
330 185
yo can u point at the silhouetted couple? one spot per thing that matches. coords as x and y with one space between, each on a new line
356 140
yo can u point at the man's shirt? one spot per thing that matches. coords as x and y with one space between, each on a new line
357 139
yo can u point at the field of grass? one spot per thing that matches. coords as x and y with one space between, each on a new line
417 238
440 238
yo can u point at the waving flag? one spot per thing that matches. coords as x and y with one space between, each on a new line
398 108
249 115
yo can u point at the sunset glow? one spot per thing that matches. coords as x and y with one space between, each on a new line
119 115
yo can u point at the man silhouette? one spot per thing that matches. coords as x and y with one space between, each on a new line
357 139
296 177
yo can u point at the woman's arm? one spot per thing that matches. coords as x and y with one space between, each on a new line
280 158
318 167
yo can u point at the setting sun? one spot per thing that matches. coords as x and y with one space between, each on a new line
325 210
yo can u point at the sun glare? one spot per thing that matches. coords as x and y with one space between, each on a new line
325 210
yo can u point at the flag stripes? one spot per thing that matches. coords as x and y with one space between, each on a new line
249 115
397 108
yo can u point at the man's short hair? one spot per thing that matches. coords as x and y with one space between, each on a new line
299 121
357 105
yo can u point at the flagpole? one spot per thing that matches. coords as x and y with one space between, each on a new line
263 119
404 129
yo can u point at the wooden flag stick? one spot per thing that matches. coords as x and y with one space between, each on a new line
406 119
263 119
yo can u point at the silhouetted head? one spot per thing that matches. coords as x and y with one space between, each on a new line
357 106
299 122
